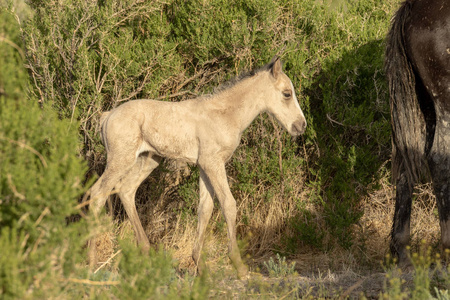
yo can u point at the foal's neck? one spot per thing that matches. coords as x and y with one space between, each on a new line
244 101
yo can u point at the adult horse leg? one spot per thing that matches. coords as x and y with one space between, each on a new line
401 226
215 171
205 209
439 164
400 233
127 188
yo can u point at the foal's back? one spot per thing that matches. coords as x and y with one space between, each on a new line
167 129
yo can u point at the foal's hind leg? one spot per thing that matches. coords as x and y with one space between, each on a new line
100 192
205 209
127 188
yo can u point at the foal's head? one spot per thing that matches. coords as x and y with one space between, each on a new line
281 100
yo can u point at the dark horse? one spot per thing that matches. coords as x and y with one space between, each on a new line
418 70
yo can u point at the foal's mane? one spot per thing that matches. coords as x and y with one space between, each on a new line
234 81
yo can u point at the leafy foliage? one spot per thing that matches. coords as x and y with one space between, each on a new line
280 268
40 181
12 79
153 277
430 280
348 111
87 57
41 175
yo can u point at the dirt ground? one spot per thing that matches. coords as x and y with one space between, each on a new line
314 285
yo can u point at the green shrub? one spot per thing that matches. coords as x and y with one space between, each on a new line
428 279
87 58
153 277
42 242
348 111
41 178
280 268
13 80
230 32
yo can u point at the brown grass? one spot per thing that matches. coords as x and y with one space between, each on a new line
328 272
264 233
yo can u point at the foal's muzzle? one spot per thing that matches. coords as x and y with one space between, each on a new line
298 127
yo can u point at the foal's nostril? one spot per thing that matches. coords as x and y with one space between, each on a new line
298 127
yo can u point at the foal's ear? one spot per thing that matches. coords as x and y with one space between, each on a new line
275 66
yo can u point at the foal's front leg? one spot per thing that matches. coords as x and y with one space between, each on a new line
218 180
205 209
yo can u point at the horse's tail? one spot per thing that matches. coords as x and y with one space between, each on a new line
408 125
103 119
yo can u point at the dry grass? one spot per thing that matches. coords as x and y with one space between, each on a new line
377 220
269 225
106 244
336 270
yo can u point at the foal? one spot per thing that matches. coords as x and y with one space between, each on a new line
205 131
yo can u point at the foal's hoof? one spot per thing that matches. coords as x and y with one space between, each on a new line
243 273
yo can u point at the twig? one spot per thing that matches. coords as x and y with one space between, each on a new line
293 290
38 241
23 145
14 45
14 189
107 261
148 71
333 121
84 202
352 288
43 214
91 282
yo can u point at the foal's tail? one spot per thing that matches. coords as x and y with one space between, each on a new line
103 119
408 134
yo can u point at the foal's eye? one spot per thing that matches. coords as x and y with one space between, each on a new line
287 94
